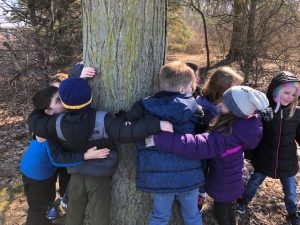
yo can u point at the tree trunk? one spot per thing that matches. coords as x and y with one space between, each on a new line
125 41
250 46
238 31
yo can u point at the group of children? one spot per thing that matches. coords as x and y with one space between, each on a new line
194 144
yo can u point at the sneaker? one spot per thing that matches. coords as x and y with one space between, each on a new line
64 201
52 213
201 200
241 207
294 219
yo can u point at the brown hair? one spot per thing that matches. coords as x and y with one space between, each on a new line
174 74
219 82
224 123
42 98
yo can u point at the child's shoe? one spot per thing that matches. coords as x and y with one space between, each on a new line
52 213
241 206
201 199
64 201
294 219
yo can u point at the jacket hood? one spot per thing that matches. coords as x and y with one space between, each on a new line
171 106
279 79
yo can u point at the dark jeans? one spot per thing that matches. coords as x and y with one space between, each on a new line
63 180
288 186
39 194
224 213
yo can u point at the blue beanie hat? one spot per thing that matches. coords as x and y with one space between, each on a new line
75 94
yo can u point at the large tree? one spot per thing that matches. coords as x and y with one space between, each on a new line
125 41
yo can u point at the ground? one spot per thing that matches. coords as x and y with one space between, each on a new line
266 208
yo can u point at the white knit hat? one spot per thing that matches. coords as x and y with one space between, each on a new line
244 101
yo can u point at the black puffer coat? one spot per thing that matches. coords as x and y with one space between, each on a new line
276 155
78 132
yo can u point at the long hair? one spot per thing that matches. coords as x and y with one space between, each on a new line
223 123
219 82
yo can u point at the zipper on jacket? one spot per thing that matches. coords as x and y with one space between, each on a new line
277 150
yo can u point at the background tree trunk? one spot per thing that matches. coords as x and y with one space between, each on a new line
125 41
250 45
238 31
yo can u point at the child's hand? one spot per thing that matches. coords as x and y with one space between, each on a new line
39 139
94 153
88 72
149 142
166 126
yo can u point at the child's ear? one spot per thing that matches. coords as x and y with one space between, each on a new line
49 112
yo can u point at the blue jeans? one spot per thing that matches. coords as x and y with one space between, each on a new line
288 186
162 207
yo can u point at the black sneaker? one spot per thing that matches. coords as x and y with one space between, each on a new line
294 219
241 207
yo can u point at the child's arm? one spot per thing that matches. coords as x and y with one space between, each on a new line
214 144
135 113
124 131
62 158
42 125
79 70
200 146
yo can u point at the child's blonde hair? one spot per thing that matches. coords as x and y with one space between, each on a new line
58 78
277 92
219 82
175 74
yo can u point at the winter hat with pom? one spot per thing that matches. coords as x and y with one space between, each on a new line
245 101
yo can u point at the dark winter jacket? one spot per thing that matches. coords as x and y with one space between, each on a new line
163 172
83 131
276 155
224 182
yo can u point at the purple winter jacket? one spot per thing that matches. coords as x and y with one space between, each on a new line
224 182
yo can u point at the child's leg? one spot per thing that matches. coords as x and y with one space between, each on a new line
223 213
39 195
99 189
189 207
162 208
78 198
232 218
290 194
252 186
63 180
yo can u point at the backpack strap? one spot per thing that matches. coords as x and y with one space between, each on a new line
99 130
58 127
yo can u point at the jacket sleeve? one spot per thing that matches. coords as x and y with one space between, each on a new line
76 70
124 131
136 112
42 125
200 146
62 158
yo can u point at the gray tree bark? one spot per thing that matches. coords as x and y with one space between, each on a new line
238 38
125 41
